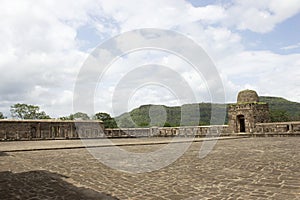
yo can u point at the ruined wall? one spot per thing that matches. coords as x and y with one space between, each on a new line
284 128
261 113
39 130
252 112
247 112
49 129
187 131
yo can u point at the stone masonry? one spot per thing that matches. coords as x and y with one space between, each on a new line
247 112
50 129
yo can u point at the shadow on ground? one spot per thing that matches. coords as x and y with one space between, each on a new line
43 185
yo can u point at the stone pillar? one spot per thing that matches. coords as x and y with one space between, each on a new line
291 128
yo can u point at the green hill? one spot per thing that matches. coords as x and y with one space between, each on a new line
280 110
168 116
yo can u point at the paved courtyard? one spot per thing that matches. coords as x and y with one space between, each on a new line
245 168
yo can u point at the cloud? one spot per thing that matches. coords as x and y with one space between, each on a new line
260 16
39 56
295 46
41 52
267 72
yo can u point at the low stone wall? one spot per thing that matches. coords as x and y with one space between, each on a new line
56 129
49 129
278 128
186 131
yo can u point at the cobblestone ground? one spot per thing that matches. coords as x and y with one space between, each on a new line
249 168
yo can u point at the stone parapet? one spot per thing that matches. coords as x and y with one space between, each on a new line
278 127
50 129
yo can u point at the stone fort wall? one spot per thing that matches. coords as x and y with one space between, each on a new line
43 130
185 131
281 128
49 129
56 129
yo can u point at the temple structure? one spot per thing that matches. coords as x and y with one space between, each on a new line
247 112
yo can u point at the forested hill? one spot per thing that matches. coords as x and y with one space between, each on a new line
280 110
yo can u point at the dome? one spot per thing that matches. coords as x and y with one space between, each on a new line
249 96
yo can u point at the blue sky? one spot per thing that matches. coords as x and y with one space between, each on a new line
254 45
284 35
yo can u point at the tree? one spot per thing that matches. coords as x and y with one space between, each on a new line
27 111
65 118
78 115
108 121
2 116
279 116
143 124
167 124
42 115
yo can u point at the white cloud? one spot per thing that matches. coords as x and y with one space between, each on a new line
40 53
264 71
260 16
295 46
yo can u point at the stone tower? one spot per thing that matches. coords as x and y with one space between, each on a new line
248 111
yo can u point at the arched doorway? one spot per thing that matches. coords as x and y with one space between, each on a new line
241 123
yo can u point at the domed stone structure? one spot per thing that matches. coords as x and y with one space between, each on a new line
247 96
243 116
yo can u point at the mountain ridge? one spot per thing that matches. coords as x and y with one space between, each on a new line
281 109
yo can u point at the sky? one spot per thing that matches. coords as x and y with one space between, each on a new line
44 44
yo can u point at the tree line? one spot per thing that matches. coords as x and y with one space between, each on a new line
28 111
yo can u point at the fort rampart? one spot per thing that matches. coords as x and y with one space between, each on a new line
278 128
49 129
55 129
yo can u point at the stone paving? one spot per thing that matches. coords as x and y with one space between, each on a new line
12 146
246 168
